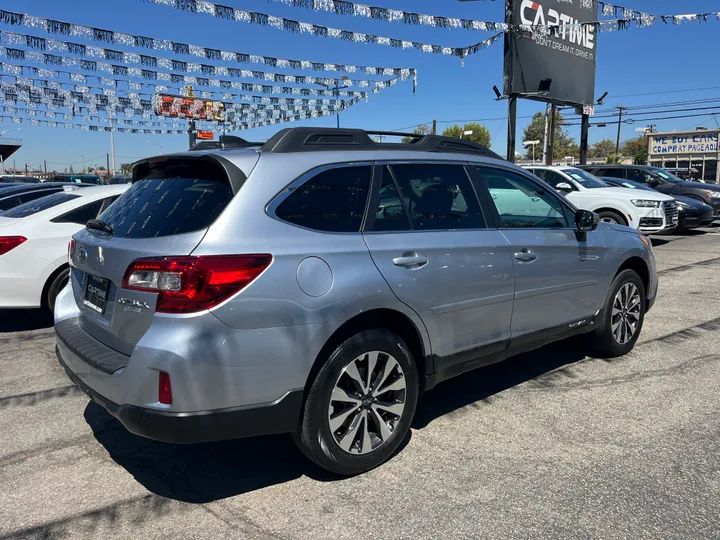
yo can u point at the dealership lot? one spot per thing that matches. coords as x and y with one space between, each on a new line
549 444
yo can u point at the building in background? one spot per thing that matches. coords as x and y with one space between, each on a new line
689 154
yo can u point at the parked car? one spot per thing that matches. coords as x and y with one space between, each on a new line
10 179
13 195
78 179
115 180
691 212
651 214
34 241
248 291
662 181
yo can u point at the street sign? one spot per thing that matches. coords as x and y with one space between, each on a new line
585 109
206 135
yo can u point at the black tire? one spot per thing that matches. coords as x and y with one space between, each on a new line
617 218
56 284
605 342
314 436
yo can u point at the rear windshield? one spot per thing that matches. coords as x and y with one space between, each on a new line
171 199
38 205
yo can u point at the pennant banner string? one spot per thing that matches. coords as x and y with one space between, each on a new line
89 51
297 27
118 38
13 70
148 74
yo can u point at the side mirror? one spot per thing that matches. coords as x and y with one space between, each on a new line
564 186
586 221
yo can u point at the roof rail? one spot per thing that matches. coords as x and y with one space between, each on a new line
313 139
226 142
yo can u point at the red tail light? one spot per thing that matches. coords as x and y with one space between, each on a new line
190 284
164 389
10 242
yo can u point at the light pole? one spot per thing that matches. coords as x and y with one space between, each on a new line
533 144
335 91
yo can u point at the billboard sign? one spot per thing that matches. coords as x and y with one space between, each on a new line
206 135
563 52
696 142
188 107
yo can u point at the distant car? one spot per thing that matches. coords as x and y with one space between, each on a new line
78 179
12 195
662 181
120 180
34 241
692 213
654 213
19 180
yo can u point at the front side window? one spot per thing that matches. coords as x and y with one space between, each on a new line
331 201
438 197
612 173
522 203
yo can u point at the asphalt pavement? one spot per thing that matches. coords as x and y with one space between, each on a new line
550 444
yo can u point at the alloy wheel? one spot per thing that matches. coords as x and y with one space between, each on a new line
626 313
606 219
367 402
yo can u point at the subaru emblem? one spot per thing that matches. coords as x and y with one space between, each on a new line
82 255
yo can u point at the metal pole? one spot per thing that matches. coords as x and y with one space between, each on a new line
434 128
512 121
45 165
2 164
107 157
617 143
585 127
545 138
112 143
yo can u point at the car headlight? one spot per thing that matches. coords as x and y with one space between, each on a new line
714 194
644 203
682 204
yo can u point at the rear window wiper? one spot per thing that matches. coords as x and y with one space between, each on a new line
100 225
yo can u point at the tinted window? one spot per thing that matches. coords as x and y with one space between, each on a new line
9 202
333 200
82 215
390 214
585 179
522 202
439 197
44 203
27 197
611 173
553 178
639 175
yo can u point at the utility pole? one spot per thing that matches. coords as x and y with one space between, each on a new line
617 143
551 136
191 133
651 128
585 127
26 170
512 121
434 128
45 165
107 157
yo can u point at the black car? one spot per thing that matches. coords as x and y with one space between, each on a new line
120 180
691 212
662 181
10 179
16 194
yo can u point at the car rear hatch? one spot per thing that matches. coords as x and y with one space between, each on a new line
166 212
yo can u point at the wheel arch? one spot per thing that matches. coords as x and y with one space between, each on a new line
385 318
639 266
614 211
54 274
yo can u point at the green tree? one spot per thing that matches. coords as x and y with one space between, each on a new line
126 169
614 158
480 134
564 145
422 129
636 149
602 148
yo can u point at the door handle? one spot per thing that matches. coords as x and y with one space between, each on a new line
535 199
411 259
526 255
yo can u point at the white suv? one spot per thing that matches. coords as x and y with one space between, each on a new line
651 213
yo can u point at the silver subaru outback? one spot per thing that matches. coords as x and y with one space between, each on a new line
319 283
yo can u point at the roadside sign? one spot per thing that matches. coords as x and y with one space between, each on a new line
206 135
185 107
585 109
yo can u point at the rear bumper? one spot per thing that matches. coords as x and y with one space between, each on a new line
281 416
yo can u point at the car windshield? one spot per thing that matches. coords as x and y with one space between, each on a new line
668 177
585 179
38 205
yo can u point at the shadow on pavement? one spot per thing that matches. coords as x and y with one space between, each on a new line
24 320
200 473
659 241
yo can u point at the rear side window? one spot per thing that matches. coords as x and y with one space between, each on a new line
82 215
38 205
331 201
175 198
438 197
611 173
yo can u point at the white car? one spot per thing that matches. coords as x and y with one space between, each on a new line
649 212
34 240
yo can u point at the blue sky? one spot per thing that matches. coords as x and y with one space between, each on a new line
638 61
